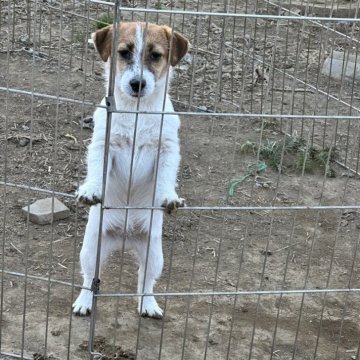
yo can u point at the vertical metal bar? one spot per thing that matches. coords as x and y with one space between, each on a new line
203 199
194 56
216 102
233 52
190 290
329 79
72 34
286 51
110 93
13 26
310 138
76 217
218 90
28 18
298 50
353 80
310 257
253 59
128 196
336 236
27 244
306 75
53 180
157 161
5 168
156 173
173 241
214 286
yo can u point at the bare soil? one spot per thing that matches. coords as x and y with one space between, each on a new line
43 144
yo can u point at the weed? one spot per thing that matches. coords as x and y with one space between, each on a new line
252 170
158 6
79 36
103 21
271 152
291 152
248 147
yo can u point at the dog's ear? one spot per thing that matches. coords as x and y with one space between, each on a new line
102 39
179 45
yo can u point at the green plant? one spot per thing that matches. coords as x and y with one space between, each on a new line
271 152
292 152
79 36
103 21
248 147
252 170
158 5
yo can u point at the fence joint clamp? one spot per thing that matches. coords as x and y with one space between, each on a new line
95 286
110 103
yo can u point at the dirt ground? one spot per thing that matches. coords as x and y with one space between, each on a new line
43 144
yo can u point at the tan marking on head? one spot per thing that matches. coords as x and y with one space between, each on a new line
179 45
102 39
157 40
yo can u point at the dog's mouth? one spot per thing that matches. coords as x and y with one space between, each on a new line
137 95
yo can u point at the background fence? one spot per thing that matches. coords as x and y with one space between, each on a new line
264 261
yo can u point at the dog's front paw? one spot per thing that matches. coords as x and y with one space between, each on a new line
83 304
89 193
150 308
172 205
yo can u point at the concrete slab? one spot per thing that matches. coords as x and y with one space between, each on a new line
40 212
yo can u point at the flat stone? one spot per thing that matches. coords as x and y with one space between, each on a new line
341 64
40 212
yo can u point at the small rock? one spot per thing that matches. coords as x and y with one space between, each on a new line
91 43
341 64
202 108
55 332
266 252
348 174
187 58
88 123
25 40
24 141
213 342
40 212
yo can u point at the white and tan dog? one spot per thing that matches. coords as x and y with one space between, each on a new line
144 58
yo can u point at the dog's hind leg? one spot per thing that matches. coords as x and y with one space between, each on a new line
83 304
150 257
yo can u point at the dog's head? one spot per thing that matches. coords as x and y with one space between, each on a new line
144 55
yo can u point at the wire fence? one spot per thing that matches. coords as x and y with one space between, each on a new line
263 262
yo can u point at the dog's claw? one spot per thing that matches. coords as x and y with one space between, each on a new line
81 314
172 206
89 193
82 305
89 201
150 309
156 316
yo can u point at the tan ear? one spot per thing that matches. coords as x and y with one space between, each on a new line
102 39
179 45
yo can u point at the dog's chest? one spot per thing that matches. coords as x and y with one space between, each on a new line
134 153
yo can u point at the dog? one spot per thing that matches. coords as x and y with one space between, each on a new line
143 157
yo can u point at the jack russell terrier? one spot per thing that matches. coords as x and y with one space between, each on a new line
141 172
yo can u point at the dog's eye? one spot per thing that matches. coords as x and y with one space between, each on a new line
125 54
154 56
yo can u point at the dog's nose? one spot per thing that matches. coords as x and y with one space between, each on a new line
137 85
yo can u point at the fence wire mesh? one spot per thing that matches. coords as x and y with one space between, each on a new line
263 263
